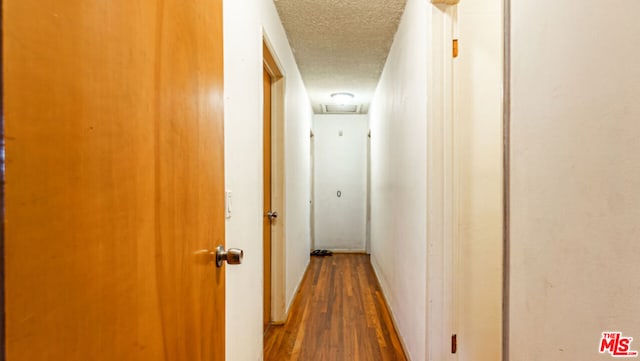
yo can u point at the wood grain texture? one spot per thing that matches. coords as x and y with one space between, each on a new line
339 314
115 175
278 186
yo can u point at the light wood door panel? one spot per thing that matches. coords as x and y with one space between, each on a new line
114 178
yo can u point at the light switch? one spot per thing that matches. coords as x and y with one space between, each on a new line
227 204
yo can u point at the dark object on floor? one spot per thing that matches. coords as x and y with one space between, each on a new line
321 253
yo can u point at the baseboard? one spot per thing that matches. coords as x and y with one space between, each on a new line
385 291
287 308
338 250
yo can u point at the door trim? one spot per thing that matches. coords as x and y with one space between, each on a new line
267 221
2 171
506 188
440 314
440 226
278 194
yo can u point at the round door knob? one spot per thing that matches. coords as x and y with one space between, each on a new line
272 215
231 256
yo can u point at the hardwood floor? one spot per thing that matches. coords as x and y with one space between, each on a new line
338 315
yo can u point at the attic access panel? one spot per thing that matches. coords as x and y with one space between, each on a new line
341 108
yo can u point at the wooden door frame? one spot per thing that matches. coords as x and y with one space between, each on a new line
312 189
278 204
2 171
267 221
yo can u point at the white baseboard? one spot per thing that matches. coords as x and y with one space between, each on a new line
294 295
385 292
340 250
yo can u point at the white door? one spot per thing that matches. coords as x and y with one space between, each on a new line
478 174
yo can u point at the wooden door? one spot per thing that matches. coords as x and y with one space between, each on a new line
114 179
267 198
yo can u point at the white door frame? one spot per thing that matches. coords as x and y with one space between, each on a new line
440 179
441 316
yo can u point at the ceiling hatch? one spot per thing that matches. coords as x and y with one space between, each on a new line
341 108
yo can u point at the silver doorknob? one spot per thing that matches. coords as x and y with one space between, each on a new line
272 215
231 256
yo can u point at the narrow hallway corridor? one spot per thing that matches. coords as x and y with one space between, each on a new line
168 167
339 314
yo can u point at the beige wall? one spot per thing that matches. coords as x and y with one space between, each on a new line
245 22
477 169
575 177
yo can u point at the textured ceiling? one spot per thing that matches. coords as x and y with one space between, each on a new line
340 45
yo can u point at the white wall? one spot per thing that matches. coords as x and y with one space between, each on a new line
243 173
477 164
575 177
244 21
398 117
340 163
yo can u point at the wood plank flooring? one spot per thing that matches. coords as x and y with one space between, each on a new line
338 315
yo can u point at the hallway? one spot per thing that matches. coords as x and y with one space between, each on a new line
494 192
338 314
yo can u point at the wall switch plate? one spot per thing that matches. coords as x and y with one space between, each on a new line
227 204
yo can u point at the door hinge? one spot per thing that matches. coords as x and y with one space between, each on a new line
455 48
454 343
